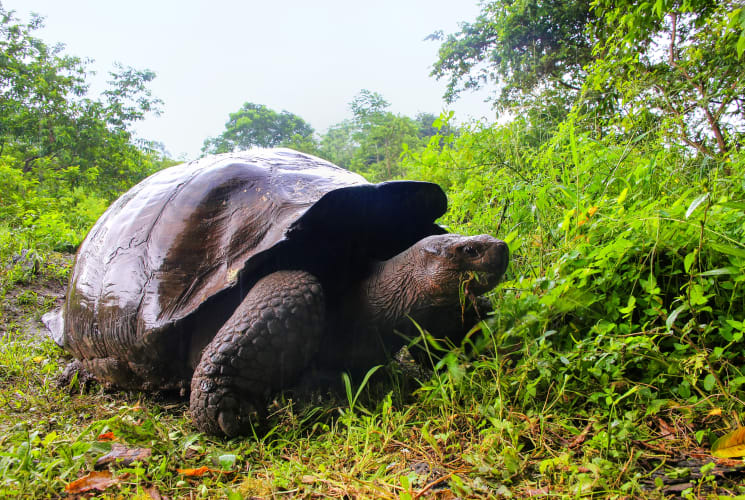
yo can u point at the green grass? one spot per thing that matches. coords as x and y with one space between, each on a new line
467 432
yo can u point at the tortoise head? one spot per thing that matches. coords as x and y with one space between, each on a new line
451 264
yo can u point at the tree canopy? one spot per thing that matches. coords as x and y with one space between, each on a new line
676 64
371 142
64 154
519 47
257 125
676 67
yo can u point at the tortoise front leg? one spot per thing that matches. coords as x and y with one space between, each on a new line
263 347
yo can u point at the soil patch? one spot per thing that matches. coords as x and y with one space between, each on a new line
31 287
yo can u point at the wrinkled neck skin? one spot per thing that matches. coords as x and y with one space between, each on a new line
400 289
391 292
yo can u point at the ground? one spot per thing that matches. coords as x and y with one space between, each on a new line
449 440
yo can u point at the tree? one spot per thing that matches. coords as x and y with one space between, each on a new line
430 125
64 155
49 123
677 65
338 144
381 136
425 125
522 47
367 106
375 139
672 66
257 125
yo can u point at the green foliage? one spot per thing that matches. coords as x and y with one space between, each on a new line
374 140
523 47
677 63
628 262
64 156
338 145
256 125
673 67
381 137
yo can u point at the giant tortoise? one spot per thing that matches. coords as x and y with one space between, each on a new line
237 275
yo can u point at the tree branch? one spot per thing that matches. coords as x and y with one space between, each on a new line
703 102
673 36
671 108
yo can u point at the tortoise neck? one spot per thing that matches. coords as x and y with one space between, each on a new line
389 293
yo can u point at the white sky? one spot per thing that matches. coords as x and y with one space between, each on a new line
307 57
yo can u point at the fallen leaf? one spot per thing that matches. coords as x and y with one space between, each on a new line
669 432
537 492
201 471
730 445
192 453
123 456
714 412
153 493
308 479
107 436
728 462
96 480
198 472
580 438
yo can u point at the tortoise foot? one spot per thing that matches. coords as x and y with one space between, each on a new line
264 346
220 410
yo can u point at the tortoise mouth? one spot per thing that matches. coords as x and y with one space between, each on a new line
476 283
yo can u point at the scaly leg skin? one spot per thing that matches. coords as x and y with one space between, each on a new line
267 342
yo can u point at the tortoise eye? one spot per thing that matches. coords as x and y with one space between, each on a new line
470 251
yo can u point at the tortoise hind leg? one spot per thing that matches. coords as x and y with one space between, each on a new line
263 347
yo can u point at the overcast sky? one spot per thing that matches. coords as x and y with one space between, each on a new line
307 57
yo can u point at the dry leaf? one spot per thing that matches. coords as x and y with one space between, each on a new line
728 462
714 412
201 471
307 479
580 438
96 480
107 436
153 493
123 456
669 432
730 445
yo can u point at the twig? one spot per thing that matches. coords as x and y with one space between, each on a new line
432 484
504 212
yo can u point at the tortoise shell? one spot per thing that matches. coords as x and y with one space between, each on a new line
170 260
